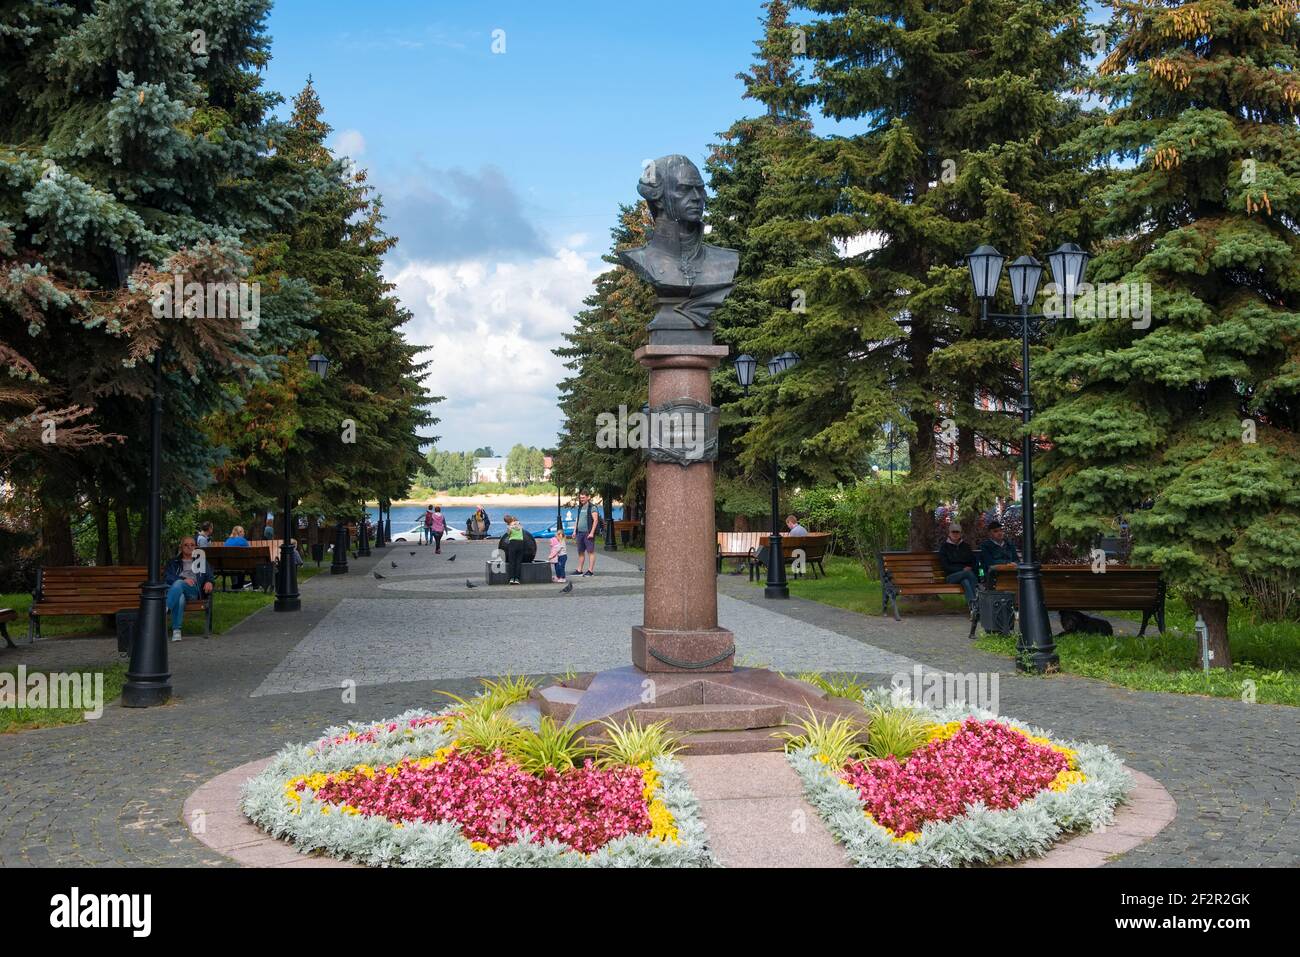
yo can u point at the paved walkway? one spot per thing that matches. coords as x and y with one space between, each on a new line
111 792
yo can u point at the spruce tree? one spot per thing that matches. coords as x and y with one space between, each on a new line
356 435
742 168
125 140
1186 424
606 376
966 119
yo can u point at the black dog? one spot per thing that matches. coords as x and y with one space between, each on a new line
1077 621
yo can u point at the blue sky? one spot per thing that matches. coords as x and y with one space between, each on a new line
502 173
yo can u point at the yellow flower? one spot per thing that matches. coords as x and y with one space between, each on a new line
942 732
480 846
1067 778
663 826
911 837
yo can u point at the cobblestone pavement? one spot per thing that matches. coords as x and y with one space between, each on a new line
110 792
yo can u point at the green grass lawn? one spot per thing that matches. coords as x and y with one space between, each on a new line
228 610
1265 655
24 719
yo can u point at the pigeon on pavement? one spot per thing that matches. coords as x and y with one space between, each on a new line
452 559
566 589
412 554
377 575
470 584
394 564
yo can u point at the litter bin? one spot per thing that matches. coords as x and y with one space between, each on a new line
126 622
997 611
318 553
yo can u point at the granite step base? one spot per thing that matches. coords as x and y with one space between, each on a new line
714 717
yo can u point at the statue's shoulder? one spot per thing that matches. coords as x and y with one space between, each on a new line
723 253
634 256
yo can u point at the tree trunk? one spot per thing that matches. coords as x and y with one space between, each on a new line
125 552
103 544
920 462
142 541
1215 613
56 536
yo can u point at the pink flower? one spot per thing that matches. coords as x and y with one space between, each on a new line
983 762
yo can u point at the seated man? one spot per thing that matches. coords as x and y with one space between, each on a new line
958 563
793 527
184 584
997 549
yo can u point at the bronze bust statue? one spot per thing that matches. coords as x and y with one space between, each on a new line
690 277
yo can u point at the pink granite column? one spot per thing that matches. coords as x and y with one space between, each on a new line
680 630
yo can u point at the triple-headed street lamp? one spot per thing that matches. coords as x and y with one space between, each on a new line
746 365
286 579
1035 649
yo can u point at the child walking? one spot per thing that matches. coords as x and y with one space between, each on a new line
558 556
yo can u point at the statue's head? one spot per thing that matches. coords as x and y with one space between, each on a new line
672 186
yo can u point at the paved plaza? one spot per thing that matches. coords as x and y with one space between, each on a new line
111 792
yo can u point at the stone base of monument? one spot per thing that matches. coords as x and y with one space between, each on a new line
734 712
530 573
683 652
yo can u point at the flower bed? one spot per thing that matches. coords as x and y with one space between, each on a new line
401 793
980 790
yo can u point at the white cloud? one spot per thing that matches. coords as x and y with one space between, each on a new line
349 143
490 326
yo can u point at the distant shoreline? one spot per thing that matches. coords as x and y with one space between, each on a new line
499 500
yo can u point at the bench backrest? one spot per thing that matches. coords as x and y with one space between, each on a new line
70 584
740 543
1121 587
912 568
814 545
241 558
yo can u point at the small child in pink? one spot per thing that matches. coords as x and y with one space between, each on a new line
558 556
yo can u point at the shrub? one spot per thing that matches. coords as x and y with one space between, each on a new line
837 686
896 730
550 746
835 739
508 690
635 744
486 732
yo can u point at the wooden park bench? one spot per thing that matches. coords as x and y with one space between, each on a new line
94 590
1079 588
740 545
227 560
914 573
7 615
814 546
627 530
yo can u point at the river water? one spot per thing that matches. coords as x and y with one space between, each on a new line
535 518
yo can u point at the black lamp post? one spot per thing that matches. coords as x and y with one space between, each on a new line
286 590
746 365
148 680
339 562
607 496
1035 650
363 536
